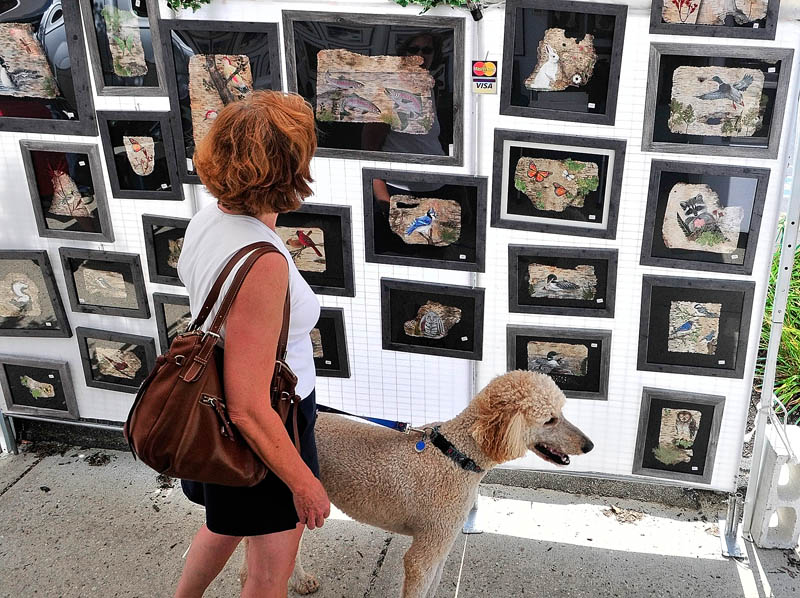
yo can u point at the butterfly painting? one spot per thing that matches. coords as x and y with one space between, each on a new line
574 180
538 175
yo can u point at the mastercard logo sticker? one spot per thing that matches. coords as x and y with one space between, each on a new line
484 69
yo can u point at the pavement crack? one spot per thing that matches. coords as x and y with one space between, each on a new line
374 575
20 476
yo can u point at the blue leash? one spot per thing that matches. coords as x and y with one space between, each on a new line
386 423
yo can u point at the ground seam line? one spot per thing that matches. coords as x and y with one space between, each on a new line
376 571
20 476
461 567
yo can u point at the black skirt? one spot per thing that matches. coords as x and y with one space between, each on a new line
267 507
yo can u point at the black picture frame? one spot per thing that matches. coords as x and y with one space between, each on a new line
690 464
761 29
665 59
182 38
597 360
359 33
80 162
743 187
401 301
62 30
731 301
331 342
567 301
33 265
468 193
15 401
108 369
170 311
336 278
125 181
125 287
107 79
511 208
161 236
596 102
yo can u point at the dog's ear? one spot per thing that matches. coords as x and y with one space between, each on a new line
501 436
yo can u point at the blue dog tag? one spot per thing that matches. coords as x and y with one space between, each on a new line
419 446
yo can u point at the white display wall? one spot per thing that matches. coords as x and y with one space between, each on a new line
422 388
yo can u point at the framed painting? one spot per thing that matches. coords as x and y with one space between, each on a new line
426 219
163 241
716 100
320 241
124 44
562 281
430 318
210 64
694 326
40 387
113 360
678 435
743 19
557 183
561 60
173 317
140 155
44 76
104 282
330 344
30 304
577 360
67 189
383 87
703 216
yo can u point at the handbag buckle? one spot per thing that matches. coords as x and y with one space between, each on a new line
209 333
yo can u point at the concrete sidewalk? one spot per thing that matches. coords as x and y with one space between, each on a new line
72 529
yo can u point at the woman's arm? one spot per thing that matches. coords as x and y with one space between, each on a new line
251 340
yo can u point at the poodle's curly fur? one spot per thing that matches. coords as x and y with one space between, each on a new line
375 476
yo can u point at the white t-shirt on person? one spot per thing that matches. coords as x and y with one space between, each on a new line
211 239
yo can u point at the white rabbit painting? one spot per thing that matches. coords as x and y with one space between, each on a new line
562 62
547 73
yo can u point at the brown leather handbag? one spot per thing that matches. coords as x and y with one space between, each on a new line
179 422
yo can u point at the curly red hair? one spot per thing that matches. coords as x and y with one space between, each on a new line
256 156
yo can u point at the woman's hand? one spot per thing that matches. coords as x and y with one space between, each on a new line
311 503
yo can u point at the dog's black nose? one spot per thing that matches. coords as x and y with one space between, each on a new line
589 445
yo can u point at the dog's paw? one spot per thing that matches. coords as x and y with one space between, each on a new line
307 584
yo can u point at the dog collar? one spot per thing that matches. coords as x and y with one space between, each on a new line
444 445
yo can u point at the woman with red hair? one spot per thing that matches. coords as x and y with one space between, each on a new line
255 161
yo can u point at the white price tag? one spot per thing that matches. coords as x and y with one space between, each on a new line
755 25
189 164
69 114
50 376
593 345
81 163
721 362
735 256
590 105
164 186
327 362
48 323
138 3
81 300
592 217
771 69
461 256
695 468
600 300
464 339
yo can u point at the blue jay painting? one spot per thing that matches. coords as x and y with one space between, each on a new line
423 225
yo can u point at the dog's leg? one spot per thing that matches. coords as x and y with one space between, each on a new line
437 578
302 582
422 563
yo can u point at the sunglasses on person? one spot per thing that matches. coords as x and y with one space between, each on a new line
419 50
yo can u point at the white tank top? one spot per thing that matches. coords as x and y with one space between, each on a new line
211 239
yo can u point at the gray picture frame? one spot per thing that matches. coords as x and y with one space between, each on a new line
611 256
148 222
336 314
747 288
165 120
166 27
690 398
480 183
132 260
475 293
659 166
9 407
456 23
79 69
513 331
657 50
768 32
106 234
97 69
159 301
43 261
613 183
620 12
82 334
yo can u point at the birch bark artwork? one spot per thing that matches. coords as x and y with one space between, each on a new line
216 80
676 435
696 220
395 90
563 62
24 70
124 42
141 154
19 296
554 359
693 327
117 363
554 185
178 318
425 220
38 390
716 100
713 12
553 282
316 343
433 320
306 246
67 200
175 247
110 285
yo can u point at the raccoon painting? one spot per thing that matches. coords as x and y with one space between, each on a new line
696 216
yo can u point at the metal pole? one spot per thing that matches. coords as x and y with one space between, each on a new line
8 434
788 249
